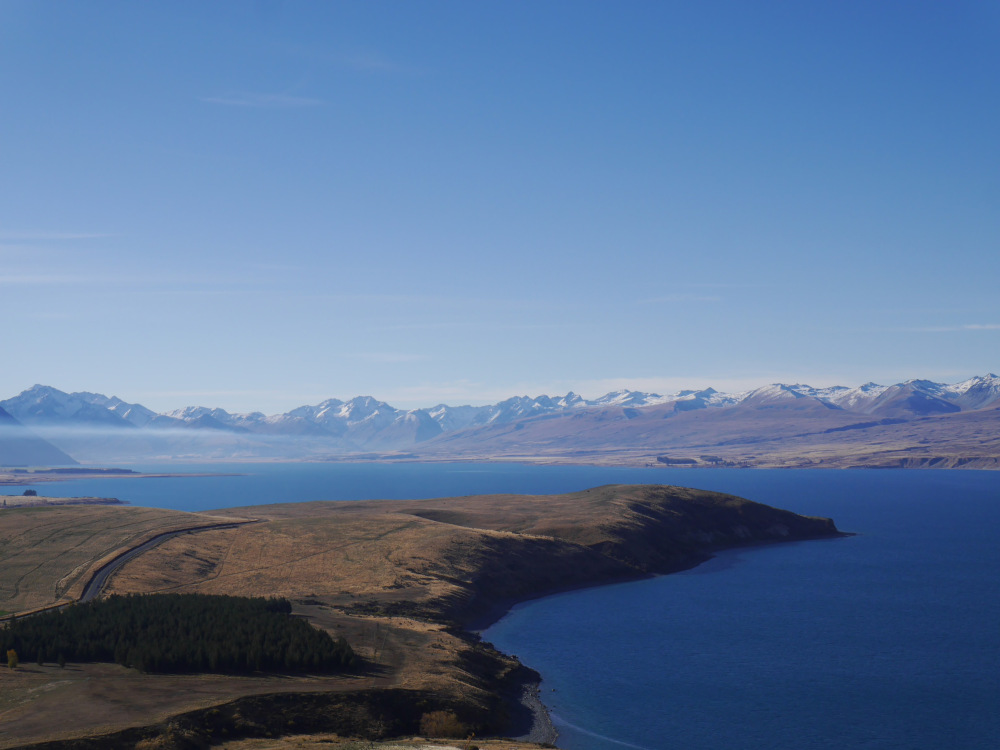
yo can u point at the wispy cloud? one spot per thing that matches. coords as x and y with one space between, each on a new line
472 325
134 282
388 357
723 285
954 329
263 101
26 279
671 298
52 236
46 315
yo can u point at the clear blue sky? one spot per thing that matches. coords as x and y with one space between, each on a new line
261 205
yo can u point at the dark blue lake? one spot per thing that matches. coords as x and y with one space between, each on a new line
888 639
257 484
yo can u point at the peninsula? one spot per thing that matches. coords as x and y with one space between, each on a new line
404 582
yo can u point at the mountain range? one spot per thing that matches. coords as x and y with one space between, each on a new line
622 425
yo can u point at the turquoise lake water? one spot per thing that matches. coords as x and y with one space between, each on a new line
887 639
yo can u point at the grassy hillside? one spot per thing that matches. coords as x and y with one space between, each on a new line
47 554
396 579
454 559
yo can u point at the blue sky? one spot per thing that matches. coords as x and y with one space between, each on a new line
261 205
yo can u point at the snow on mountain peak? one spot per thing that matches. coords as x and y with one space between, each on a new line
364 421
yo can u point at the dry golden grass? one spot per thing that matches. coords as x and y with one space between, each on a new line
48 553
421 552
390 576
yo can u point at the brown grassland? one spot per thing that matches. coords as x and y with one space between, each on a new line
48 551
399 579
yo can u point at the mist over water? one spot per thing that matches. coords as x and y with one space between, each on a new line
887 639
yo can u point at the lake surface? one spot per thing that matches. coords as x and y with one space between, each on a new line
888 639
258 484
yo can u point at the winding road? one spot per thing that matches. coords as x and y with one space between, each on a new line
100 578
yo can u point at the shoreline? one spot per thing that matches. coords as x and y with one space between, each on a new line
499 609
511 701
543 730
20 480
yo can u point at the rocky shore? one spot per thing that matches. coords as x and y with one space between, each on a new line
543 731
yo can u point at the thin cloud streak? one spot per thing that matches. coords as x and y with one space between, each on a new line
667 298
43 279
256 287
467 325
263 101
956 329
53 236
388 358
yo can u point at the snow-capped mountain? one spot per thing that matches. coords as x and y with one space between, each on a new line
630 398
974 393
451 418
136 414
854 399
364 423
44 405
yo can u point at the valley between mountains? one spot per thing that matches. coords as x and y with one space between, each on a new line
918 423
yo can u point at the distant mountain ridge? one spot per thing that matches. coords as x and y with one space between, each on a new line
93 426
19 447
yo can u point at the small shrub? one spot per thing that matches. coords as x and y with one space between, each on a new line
442 724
